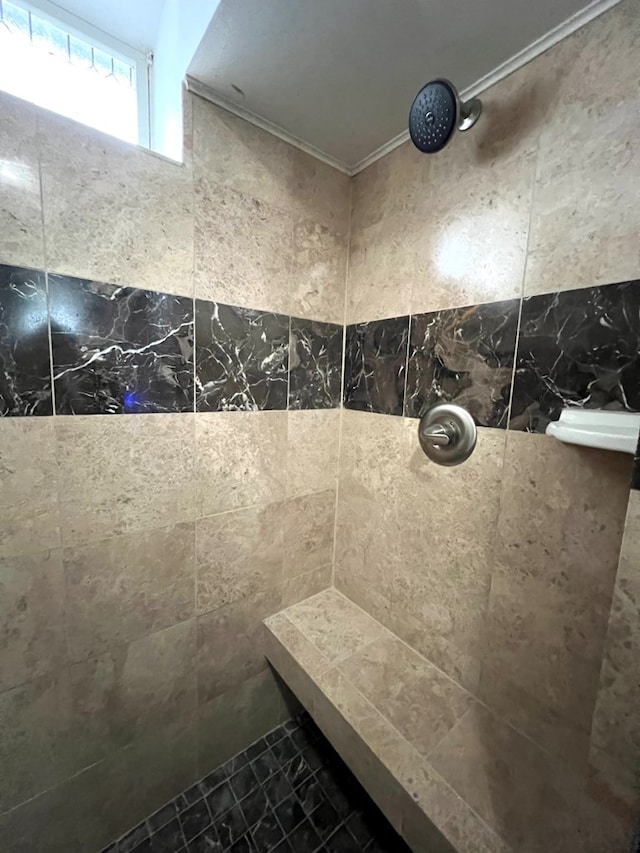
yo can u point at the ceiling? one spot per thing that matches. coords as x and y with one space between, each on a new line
340 75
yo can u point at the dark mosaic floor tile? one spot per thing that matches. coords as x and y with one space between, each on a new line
311 794
211 782
284 750
254 806
161 817
195 819
463 356
119 349
275 735
360 827
314 756
169 839
577 348
242 358
206 842
277 788
334 792
297 770
265 765
188 798
342 842
234 764
325 819
231 826
303 737
289 814
304 838
220 800
375 365
256 749
283 847
25 370
243 782
267 833
315 355
131 840
243 845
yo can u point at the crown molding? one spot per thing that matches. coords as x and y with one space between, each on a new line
518 60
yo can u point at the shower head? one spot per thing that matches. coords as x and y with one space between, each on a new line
436 112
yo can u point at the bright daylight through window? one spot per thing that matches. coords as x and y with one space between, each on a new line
58 65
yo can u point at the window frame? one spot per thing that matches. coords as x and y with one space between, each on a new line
81 29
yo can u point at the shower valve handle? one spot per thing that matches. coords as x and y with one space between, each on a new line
438 434
447 434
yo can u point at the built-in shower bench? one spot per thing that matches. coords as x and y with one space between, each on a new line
386 710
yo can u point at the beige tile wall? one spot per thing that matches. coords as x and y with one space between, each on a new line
505 572
138 555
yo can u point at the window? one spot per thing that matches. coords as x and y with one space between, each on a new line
53 63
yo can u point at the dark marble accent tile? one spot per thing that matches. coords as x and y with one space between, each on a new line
311 794
231 826
343 842
635 473
119 349
254 807
325 819
463 356
243 782
169 839
275 735
375 364
134 837
284 750
206 842
278 788
220 800
304 838
25 369
315 364
195 819
242 358
289 813
267 833
256 749
161 817
577 348
265 765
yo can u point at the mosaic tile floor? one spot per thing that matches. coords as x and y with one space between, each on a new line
288 793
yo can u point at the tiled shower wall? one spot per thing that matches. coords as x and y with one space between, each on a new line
502 274
184 487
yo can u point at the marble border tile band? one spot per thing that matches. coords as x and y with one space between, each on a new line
111 349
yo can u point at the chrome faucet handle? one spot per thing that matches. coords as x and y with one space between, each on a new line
447 434
437 434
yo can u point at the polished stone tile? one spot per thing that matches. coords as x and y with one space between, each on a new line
421 702
128 586
229 650
297 644
25 369
318 276
375 365
304 586
242 358
312 451
315 364
108 467
29 513
577 348
119 349
20 208
308 533
32 613
113 211
334 624
238 555
239 459
243 249
463 356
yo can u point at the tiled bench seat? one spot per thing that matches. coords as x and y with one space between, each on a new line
384 708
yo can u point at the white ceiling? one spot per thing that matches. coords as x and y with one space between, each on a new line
134 22
340 75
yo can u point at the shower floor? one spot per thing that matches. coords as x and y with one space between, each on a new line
288 793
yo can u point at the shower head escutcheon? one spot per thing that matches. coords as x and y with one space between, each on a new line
435 114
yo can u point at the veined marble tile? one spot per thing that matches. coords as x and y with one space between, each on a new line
375 365
119 349
577 348
242 358
20 207
25 370
463 356
315 364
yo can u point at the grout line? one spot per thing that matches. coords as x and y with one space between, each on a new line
406 369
